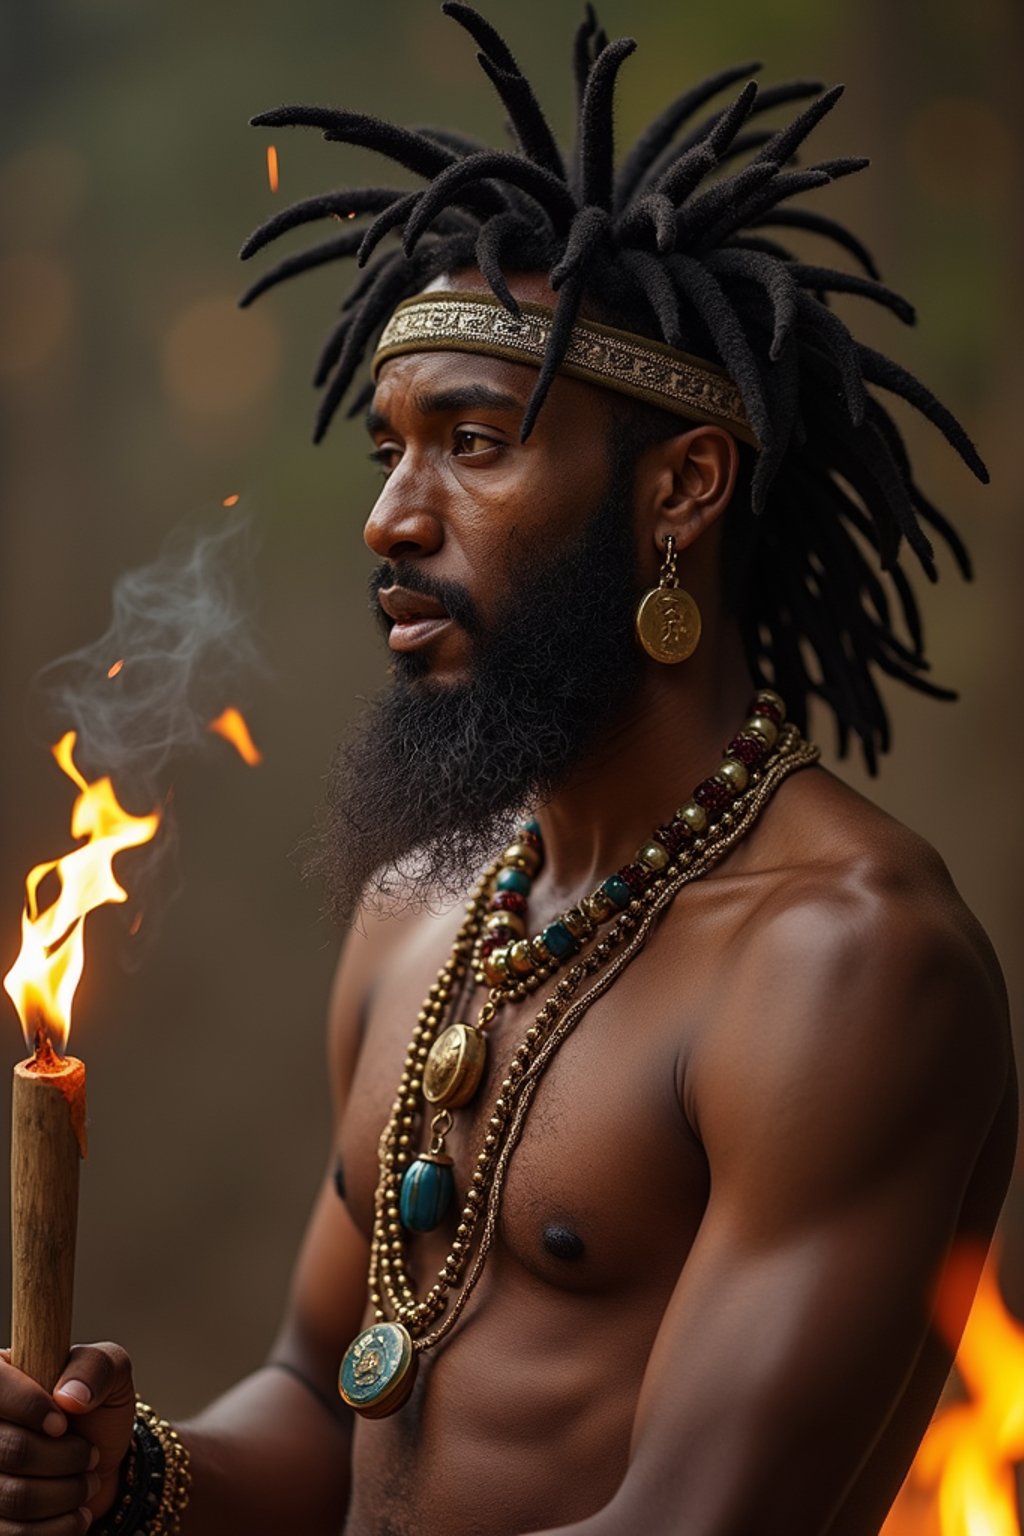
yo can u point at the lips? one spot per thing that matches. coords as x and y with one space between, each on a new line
407 607
417 619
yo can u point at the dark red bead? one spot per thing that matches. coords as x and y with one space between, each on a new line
749 749
712 794
674 836
489 944
501 935
767 708
635 876
508 901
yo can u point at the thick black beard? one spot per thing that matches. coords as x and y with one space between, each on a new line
432 780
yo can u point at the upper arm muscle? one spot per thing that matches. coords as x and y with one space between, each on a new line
842 1096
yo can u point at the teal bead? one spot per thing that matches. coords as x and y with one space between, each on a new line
559 940
514 880
618 892
427 1190
533 825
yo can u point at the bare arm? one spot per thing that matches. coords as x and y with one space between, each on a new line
842 1101
272 1454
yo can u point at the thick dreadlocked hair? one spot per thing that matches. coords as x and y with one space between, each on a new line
657 248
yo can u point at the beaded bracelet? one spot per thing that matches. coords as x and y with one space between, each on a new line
154 1484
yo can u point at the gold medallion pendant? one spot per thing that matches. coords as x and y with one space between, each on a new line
668 624
378 1370
455 1065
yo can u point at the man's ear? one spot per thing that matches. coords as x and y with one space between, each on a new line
688 482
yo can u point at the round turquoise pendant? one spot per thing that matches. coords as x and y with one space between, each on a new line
378 1370
427 1189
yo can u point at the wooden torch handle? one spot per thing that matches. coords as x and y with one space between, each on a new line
47 1143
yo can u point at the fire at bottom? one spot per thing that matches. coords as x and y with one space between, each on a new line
963 1482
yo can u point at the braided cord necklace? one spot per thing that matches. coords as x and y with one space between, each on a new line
378 1369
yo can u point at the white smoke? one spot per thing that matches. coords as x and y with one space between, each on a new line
179 649
181 642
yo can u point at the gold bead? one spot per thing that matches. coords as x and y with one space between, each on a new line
734 773
540 952
519 957
496 967
497 920
769 696
598 907
522 856
760 725
695 816
578 922
653 855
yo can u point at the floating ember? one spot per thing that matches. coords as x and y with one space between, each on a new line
231 724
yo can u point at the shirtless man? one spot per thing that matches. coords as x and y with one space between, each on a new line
706 1307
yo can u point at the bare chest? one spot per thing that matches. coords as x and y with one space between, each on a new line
607 1184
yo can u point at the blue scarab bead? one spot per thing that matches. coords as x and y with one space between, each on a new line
427 1189
514 880
618 892
559 940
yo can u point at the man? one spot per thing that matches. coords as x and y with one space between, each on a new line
649 1158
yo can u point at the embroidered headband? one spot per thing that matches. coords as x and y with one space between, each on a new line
634 365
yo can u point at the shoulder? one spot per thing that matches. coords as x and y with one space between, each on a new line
843 883
860 969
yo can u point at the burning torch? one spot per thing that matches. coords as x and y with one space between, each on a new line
48 1114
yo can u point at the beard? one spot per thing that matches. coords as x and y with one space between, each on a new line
430 784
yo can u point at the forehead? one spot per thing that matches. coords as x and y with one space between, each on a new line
432 382
429 373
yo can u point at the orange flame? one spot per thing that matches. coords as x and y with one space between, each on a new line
44 978
115 667
230 501
962 1480
231 724
272 175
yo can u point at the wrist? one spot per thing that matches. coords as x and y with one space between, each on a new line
151 1490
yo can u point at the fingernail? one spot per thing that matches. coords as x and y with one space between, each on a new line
86 1515
92 1485
54 1424
94 1457
77 1391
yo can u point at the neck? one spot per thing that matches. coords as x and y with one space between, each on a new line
638 773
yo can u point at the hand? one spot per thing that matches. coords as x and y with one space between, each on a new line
60 1453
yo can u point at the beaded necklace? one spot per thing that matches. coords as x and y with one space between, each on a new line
444 1064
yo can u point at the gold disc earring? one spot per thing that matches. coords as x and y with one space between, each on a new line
668 619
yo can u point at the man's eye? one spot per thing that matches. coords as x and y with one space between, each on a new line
385 458
468 442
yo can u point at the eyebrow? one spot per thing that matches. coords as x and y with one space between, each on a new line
462 397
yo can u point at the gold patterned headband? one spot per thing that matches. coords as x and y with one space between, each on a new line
634 365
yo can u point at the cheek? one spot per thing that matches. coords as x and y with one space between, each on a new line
536 501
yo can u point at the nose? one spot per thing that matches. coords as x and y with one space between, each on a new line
401 525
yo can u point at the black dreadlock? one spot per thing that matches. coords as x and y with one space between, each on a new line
658 249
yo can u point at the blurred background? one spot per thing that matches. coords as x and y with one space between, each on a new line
134 397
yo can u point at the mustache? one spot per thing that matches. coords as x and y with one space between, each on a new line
454 598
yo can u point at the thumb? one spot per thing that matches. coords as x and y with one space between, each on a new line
95 1375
